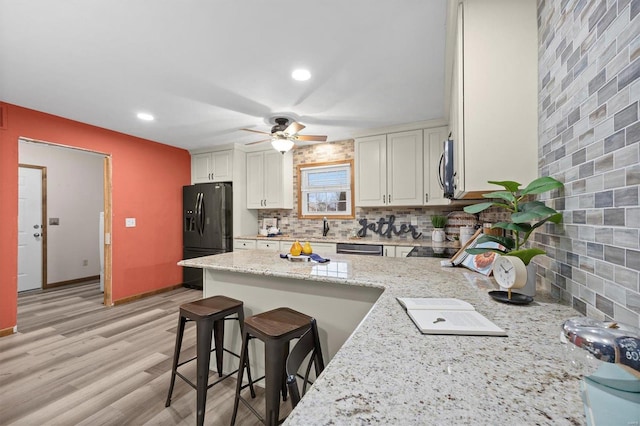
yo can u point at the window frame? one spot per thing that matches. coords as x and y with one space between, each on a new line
300 167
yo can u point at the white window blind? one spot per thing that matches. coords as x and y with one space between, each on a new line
326 190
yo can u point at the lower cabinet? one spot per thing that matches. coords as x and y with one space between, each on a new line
244 244
403 251
389 251
268 245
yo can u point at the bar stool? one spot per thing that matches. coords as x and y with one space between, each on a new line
209 315
276 328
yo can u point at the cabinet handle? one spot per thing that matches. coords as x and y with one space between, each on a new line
384 199
389 198
426 198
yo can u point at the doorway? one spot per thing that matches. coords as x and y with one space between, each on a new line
76 190
32 243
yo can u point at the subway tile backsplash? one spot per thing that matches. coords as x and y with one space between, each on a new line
589 90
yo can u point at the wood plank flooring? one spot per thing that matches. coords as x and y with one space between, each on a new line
76 362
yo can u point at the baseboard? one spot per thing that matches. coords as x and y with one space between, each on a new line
7 331
145 294
74 281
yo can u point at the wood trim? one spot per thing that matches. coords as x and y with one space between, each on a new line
108 240
6 332
145 294
326 163
74 281
44 228
4 118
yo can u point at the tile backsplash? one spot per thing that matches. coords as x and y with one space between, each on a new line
589 64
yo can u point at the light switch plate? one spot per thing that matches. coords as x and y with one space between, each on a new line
130 222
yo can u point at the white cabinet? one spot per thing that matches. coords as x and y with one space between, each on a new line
389 251
432 151
324 248
389 170
212 167
269 180
239 244
268 245
494 94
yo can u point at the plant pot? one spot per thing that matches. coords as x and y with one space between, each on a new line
438 235
530 288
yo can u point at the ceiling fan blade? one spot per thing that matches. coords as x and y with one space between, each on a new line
294 128
253 143
256 131
311 138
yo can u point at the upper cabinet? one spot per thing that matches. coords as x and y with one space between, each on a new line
494 93
389 170
214 166
269 180
432 151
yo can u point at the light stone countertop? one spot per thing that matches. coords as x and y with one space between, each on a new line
389 373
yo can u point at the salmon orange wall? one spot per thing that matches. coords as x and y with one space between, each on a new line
147 185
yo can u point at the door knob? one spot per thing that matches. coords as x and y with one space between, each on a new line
36 235
36 226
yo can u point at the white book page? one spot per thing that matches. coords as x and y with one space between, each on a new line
454 322
435 303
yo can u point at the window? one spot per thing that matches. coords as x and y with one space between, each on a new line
325 189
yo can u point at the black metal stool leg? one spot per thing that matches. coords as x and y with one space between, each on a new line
218 337
244 360
248 366
204 329
176 355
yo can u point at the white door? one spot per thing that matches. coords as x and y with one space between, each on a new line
29 228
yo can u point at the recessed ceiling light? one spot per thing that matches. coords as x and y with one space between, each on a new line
144 116
301 75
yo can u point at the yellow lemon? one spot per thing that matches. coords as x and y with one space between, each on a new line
306 249
296 249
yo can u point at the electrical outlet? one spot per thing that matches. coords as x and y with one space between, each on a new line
130 222
85 262
414 220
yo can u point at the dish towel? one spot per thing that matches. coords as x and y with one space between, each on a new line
314 257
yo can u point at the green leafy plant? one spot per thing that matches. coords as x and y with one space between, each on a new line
438 221
526 216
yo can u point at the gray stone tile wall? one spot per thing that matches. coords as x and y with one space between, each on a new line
589 90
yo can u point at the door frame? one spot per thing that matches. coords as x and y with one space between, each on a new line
44 226
107 194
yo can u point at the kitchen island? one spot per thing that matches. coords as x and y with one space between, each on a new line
387 372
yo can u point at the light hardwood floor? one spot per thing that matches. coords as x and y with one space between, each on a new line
76 362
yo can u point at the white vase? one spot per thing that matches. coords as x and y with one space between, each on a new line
438 236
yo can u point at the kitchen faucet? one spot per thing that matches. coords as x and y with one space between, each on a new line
325 226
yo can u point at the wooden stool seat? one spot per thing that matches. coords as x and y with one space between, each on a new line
209 315
275 328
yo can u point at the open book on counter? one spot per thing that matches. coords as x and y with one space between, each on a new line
448 316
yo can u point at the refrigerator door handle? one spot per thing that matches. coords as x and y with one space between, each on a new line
202 215
198 210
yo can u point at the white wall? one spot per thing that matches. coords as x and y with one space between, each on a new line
75 196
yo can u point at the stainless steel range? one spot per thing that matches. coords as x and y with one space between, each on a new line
428 251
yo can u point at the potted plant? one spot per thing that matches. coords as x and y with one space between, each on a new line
438 223
526 216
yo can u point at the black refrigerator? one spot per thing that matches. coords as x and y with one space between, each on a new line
207 225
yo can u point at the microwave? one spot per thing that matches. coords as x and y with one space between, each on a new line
445 172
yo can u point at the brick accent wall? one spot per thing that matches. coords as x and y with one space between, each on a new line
589 64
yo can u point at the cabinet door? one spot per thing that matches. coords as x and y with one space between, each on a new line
371 171
222 166
432 149
201 165
323 248
273 179
389 251
404 169
255 180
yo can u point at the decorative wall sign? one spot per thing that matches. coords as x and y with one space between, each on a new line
386 228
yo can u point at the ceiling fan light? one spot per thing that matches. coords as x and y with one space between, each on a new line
301 74
282 145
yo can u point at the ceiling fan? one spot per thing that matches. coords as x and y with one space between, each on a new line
284 135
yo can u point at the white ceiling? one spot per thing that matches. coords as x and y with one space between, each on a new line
206 68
